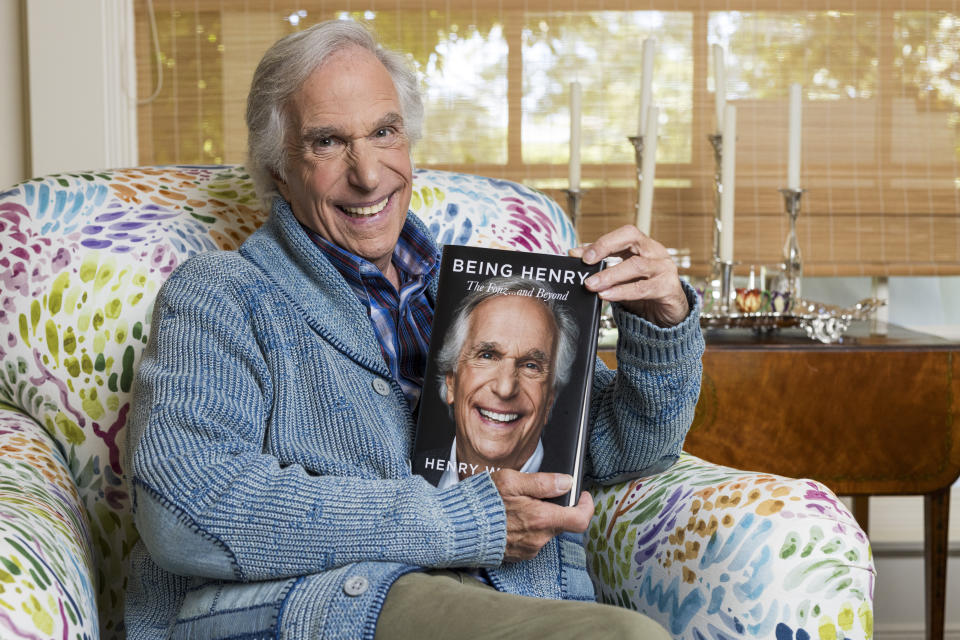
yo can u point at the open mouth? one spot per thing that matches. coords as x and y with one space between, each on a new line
368 211
495 416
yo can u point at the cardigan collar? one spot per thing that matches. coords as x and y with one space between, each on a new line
290 259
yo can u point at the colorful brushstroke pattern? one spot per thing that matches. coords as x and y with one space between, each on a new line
714 553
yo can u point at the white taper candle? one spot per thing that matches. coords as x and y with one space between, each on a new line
728 179
644 211
793 154
646 83
575 136
720 80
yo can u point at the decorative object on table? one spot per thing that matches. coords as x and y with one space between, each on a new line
779 301
792 194
792 260
823 322
719 291
750 300
760 308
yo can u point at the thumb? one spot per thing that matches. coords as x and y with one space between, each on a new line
533 485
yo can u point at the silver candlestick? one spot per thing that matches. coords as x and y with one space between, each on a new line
715 279
716 140
727 295
574 196
637 142
792 260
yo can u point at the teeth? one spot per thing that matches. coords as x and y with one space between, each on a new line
367 211
499 417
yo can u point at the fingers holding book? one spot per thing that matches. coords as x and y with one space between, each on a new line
644 280
531 520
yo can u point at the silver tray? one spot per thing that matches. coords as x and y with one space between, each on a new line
823 322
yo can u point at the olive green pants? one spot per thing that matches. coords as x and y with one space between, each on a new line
450 604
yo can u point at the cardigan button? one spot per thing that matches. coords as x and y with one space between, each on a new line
381 386
356 586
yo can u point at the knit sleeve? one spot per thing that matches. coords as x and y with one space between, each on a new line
210 502
640 413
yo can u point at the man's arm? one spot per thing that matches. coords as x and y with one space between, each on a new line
640 414
211 502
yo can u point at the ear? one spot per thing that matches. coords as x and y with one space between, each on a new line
450 387
282 185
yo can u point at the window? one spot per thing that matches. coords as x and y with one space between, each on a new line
881 110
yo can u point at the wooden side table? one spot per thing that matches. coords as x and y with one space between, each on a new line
874 415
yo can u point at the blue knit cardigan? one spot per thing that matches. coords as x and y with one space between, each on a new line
270 454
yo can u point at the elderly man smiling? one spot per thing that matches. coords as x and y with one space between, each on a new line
270 439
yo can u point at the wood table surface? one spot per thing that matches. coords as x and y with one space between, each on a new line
871 415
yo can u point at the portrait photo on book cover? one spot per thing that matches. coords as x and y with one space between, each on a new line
509 360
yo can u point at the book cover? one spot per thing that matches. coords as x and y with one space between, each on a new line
510 366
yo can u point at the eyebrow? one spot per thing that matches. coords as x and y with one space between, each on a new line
480 347
310 134
537 355
534 354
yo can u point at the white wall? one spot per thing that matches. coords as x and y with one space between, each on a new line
13 155
82 91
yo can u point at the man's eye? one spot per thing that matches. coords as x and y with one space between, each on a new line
533 369
325 143
385 136
484 357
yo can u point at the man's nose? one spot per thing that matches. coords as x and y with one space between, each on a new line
506 381
364 166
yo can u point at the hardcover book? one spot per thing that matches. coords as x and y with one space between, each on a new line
510 367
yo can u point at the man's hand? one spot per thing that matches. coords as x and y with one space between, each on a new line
532 522
646 283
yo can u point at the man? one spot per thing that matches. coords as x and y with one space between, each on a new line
270 439
501 364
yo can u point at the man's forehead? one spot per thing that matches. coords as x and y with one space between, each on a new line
352 85
503 309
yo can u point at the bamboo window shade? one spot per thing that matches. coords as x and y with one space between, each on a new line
881 109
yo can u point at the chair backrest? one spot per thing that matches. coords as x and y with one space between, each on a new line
82 256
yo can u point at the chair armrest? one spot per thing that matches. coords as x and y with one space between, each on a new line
710 551
46 564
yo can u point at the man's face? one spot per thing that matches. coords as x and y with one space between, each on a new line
349 175
502 390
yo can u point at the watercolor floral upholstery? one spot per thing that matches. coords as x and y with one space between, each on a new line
710 552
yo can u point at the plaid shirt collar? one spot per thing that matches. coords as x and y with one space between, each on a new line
401 319
414 257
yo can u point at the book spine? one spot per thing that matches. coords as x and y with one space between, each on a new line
584 430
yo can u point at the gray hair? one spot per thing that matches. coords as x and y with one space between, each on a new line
283 70
456 336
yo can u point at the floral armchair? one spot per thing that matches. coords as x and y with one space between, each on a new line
710 552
